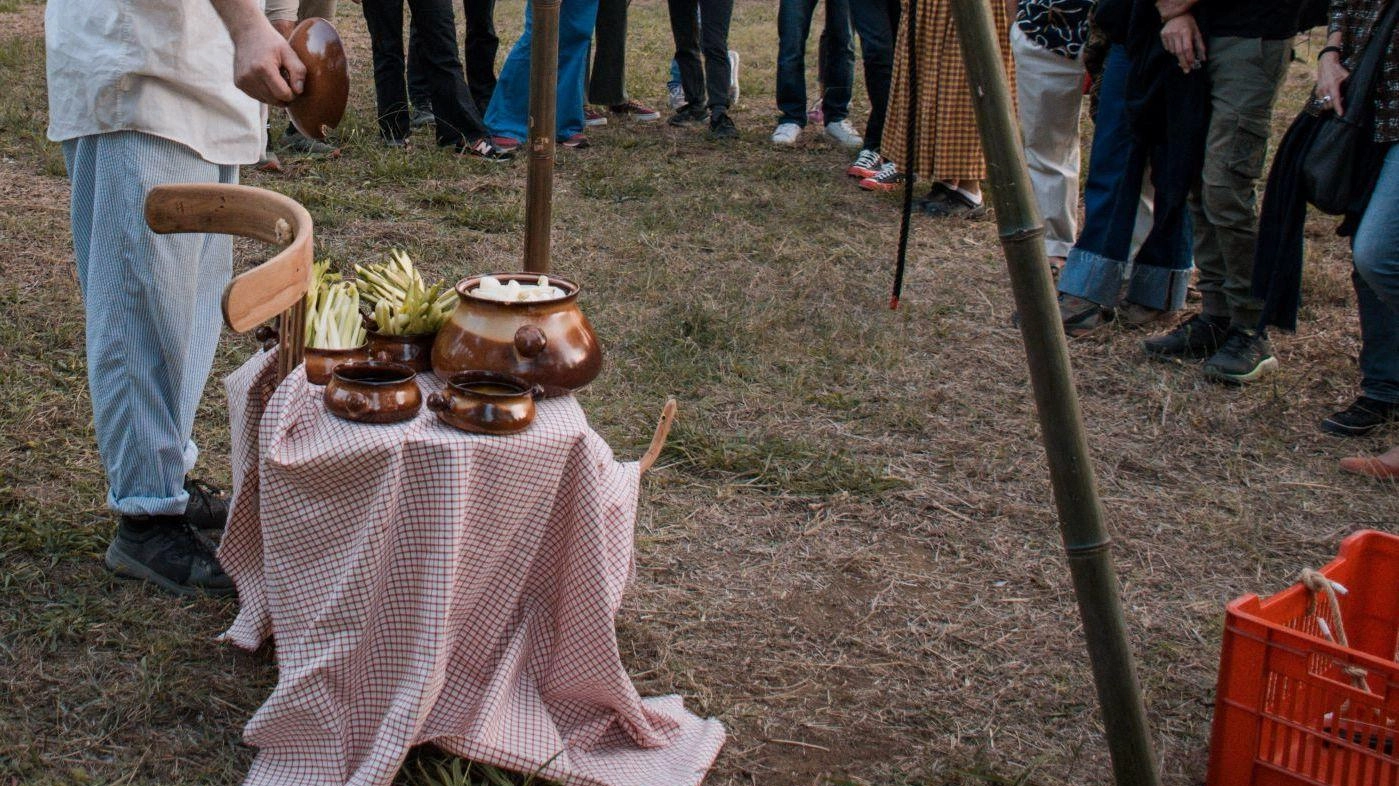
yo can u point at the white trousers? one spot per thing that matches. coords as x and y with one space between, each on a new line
1050 92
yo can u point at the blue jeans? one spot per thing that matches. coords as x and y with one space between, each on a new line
508 113
1098 265
152 312
837 59
1376 280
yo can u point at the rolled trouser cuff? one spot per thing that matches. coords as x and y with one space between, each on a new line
1158 287
1092 276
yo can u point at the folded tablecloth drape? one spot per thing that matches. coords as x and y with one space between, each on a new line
424 585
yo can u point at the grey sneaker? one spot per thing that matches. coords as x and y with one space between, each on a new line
420 118
303 145
168 552
675 96
1197 337
1245 356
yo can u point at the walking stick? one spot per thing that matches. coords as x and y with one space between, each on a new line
1075 493
539 184
910 149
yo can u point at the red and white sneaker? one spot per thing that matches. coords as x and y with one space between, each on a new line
887 179
575 142
635 111
866 164
592 117
507 143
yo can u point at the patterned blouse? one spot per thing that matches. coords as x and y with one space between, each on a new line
1357 19
1061 26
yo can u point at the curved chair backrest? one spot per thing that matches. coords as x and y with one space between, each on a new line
276 287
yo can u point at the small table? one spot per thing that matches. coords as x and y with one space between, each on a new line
424 585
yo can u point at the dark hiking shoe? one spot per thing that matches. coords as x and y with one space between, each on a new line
690 114
1245 356
1363 416
1198 337
722 127
207 509
420 118
168 552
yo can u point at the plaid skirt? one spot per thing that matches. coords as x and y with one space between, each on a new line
947 146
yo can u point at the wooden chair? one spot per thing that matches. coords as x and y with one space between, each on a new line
275 288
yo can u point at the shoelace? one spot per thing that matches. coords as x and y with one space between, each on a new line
867 159
204 492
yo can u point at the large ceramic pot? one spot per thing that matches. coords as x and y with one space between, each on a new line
547 343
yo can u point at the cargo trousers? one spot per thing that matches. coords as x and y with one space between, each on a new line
1245 75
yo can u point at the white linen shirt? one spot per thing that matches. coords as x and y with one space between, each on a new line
162 67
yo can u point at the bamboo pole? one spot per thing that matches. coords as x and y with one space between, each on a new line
543 81
1081 524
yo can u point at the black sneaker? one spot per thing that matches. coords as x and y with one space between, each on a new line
690 114
207 509
1361 417
168 552
1245 356
1198 337
419 118
722 127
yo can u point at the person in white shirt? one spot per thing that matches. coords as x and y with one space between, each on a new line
143 93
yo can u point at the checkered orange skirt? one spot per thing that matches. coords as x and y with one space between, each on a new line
947 146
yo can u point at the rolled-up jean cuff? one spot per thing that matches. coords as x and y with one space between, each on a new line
1158 287
1380 390
1092 276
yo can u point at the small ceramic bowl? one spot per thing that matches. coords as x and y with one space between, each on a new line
321 105
486 402
372 391
320 362
414 351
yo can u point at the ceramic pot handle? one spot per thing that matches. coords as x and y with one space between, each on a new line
529 341
438 402
267 336
356 404
536 392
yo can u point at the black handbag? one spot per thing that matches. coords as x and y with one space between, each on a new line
1333 176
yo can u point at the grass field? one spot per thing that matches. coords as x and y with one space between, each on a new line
849 553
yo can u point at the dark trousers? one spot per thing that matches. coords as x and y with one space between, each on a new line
479 50
710 38
607 82
837 59
876 22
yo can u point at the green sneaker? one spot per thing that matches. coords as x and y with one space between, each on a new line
1198 337
1245 356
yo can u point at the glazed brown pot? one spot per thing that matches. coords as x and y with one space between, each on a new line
547 343
413 351
321 105
372 391
320 362
485 402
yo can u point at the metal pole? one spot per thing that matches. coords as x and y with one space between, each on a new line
1075 493
543 81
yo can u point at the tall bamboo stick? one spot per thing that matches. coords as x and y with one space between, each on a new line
543 81
1075 493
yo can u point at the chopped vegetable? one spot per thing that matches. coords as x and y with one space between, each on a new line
402 304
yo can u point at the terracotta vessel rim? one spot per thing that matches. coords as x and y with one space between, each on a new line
465 286
401 373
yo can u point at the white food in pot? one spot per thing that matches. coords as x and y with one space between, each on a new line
513 291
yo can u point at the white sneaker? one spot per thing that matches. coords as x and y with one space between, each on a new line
786 134
733 78
845 135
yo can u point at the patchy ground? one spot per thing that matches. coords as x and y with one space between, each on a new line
848 555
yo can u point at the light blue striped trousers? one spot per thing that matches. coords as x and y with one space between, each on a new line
153 312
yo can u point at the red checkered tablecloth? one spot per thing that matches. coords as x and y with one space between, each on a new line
429 586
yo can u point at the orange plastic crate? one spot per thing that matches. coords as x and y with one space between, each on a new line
1286 711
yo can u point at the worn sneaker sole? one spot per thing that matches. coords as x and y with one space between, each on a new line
125 566
1342 430
1265 366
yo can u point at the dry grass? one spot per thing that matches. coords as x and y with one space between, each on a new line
849 554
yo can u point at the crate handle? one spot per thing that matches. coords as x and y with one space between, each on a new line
1319 584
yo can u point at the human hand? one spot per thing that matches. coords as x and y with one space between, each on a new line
1170 9
1330 76
264 65
1182 38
